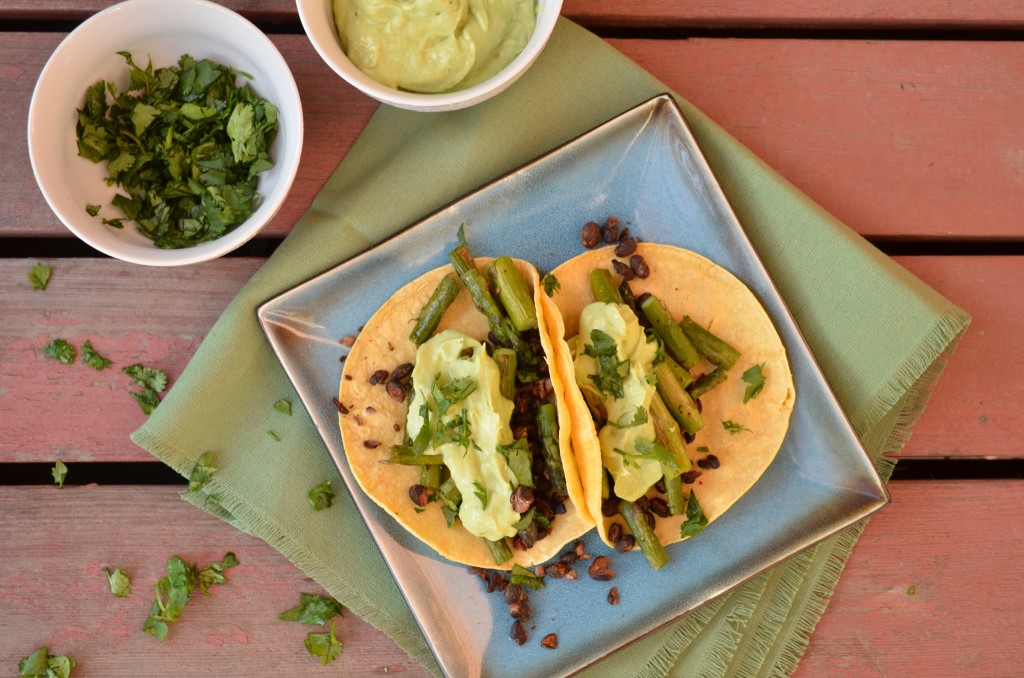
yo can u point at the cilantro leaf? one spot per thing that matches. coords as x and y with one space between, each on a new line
39 276
754 379
284 406
324 646
322 496
611 370
41 664
201 472
645 449
214 573
146 377
732 427
119 582
61 350
482 494
273 435
446 395
152 383
695 521
521 576
312 609
59 472
93 359
639 419
92 210
551 285
520 460
174 590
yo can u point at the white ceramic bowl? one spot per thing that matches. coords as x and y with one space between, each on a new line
317 18
162 30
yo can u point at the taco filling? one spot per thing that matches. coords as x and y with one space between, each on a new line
683 391
455 423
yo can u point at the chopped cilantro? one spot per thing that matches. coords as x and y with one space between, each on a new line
284 406
911 591
93 359
312 609
174 590
754 379
482 494
733 427
40 664
322 496
61 350
639 419
201 472
645 449
39 277
702 448
59 472
274 436
184 145
326 647
521 576
451 393
695 521
120 584
520 460
551 285
152 382
608 379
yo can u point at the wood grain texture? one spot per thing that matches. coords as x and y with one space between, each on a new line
959 545
964 608
910 139
662 13
53 591
77 414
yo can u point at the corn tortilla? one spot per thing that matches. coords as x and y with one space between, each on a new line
384 344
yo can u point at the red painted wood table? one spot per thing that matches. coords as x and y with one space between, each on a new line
901 118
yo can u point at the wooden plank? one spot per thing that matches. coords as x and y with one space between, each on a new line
909 139
71 411
963 616
658 13
964 608
973 413
53 548
974 409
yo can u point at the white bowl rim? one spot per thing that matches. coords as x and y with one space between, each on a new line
156 256
441 101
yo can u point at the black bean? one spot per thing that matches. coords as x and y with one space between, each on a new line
639 266
690 477
599 570
402 372
611 230
378 377
625 272
625 543
520 610
420 495
590 235
626 247
615 533
518 633
550 641
521 499
613 596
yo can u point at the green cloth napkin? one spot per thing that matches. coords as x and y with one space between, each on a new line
881 336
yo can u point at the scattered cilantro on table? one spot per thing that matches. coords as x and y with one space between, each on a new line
321 496
119 582
153 382
41 664
59 472
273 435
174 590
93 359
61 350
39 277
312 609
326 647
284 406
183 143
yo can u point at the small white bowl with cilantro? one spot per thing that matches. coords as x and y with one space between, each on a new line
165 132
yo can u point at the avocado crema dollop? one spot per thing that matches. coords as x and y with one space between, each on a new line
456 394
433 45
614 361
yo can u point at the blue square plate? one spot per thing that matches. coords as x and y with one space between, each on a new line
645 168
